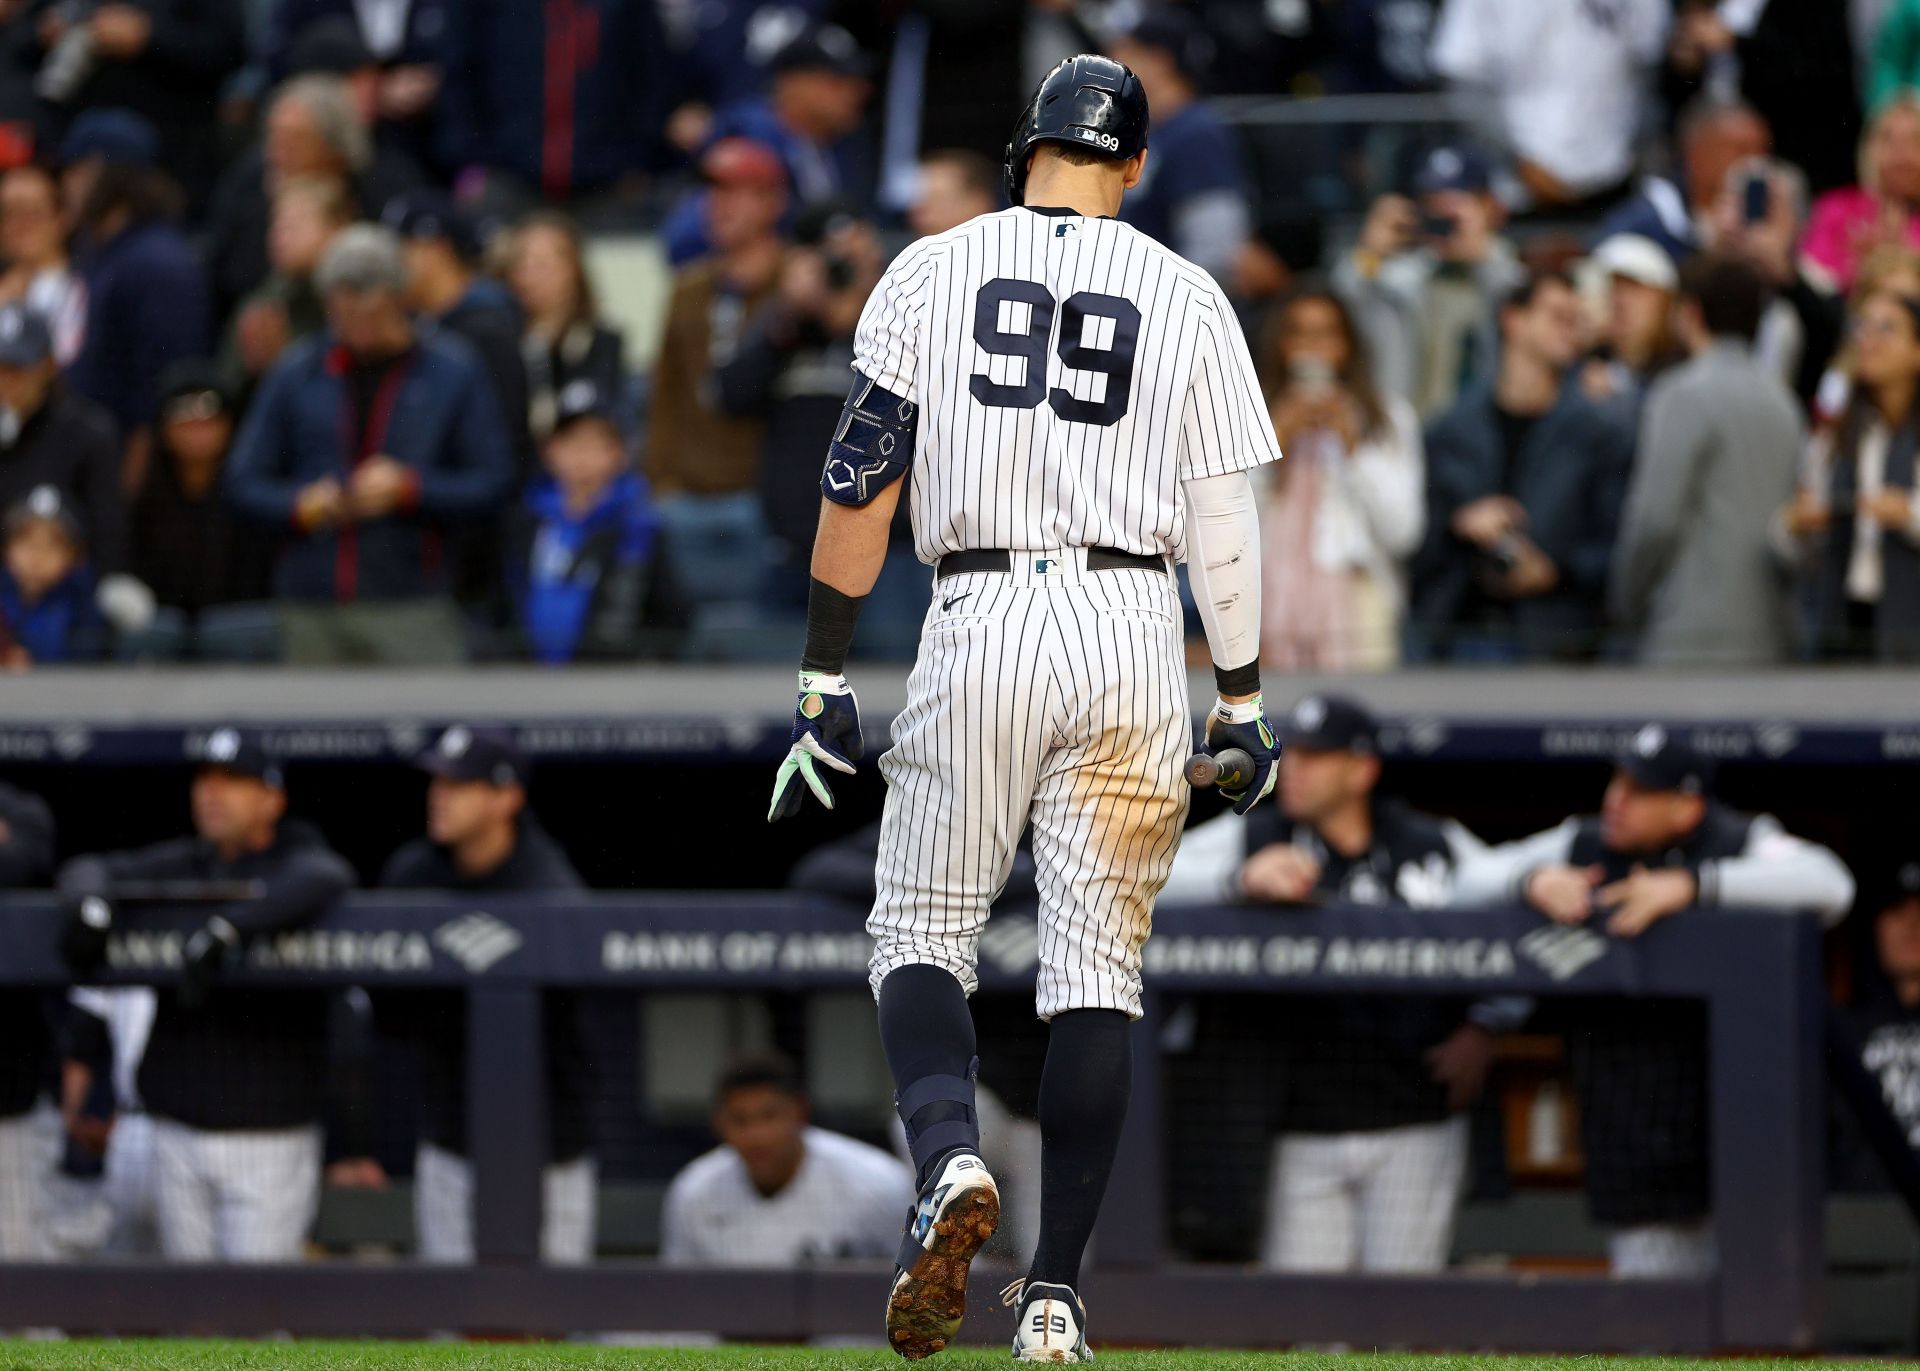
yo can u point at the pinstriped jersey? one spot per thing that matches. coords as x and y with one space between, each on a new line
1070 373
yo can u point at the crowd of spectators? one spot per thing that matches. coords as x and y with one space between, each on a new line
302 356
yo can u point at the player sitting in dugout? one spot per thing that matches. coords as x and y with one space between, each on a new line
1370 1092
1661 845
779 1191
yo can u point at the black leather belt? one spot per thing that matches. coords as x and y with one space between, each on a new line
999 559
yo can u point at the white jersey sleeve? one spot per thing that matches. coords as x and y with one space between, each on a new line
1225 426
886 345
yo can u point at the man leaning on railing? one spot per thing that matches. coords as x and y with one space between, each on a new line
1660 846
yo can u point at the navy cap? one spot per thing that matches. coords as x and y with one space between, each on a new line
25 340
1178 34
332 46
118 135
822 47
476 754
1660 761
193 377
579 400
1454 168
240 751
425 213
44 504
1330 723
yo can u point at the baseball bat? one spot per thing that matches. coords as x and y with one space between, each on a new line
1230 770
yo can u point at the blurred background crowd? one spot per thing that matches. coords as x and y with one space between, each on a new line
416 332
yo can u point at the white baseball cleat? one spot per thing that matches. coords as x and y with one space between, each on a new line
957 1213
1052 1325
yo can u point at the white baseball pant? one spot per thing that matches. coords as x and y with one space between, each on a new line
29 1152
1653 1251
235 1195
1049 694
443 1208
1376 1201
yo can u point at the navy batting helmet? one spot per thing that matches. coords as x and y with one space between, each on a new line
1091 102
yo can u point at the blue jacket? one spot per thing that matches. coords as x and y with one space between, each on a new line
148 306
578 583
435 412
726 53
63 627
567 95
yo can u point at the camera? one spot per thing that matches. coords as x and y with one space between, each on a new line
840 271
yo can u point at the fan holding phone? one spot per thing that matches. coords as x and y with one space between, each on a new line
1346 506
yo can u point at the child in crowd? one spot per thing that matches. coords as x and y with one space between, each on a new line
584 539
46 588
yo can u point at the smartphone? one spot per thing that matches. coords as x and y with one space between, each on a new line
1756 195
1311 375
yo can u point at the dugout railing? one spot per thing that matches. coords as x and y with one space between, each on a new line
1758 975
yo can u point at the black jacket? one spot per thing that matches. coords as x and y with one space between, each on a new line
1355 1065
193 47
245 1058
1570 477
436 1021
195 553
1640 1066
69 443
26 860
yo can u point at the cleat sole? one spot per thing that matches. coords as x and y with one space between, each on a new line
927 1303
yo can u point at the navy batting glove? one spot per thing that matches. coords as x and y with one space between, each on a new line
826 732
1245 726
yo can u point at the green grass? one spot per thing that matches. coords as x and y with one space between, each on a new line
191 1355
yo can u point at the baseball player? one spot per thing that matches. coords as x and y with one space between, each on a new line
1369 1168
482 839
1661 847
233 1077
1080 411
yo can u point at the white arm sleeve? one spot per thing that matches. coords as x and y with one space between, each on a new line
1494 875
1223 565
1779 871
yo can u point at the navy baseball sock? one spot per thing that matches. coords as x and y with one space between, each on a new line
1084 1089
926 1030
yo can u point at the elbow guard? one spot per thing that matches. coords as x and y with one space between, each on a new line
872 445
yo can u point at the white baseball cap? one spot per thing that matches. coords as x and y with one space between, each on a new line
1638 258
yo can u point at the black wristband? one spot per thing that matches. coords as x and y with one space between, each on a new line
1239 680
831 617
